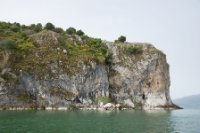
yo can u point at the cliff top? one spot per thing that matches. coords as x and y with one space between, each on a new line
33 47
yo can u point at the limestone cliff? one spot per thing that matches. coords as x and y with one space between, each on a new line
49 69
141 79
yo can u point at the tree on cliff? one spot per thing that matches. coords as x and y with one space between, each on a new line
121 39
58 30
49 26
38 27
71 31
80 33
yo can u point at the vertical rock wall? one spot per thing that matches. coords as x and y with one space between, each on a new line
139 80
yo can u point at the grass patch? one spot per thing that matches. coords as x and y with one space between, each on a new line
133 50
103 100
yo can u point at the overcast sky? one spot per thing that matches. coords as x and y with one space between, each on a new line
173 26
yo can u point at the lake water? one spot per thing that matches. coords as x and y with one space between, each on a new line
154 121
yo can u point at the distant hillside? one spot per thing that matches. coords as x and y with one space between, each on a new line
189 102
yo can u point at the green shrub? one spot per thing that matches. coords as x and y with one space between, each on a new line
58 30
17 24
15 28
23 26
133 50
6 76
49 26
4 25
71 31
24 35
7 44
84 37
109 58
32 26
38 27
80 33
121 39
25 46
94 42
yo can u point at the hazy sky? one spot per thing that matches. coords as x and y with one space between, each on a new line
171 25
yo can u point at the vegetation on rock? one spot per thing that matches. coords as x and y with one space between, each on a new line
103 99
71 31
80 33
133 50
121 39
34 48
49 26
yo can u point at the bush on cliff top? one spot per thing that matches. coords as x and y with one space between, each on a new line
71 31
121 39
49 26
28 56
133 50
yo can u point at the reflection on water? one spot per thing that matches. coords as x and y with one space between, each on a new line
151 121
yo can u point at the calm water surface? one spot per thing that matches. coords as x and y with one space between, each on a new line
176 121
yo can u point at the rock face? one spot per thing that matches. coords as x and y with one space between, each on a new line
138 77
142 79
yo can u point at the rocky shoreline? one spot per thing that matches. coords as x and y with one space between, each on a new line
103 107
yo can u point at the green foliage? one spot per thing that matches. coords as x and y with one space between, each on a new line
100 50
121 39
58 30
23 26
4 25
6 76
94 42
34 59
9 78
32 26
25 46
133 50
71 31
15 28
38 27
103 100
24 35
7 44
80 33
84 37
17 24
109 58
49 26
